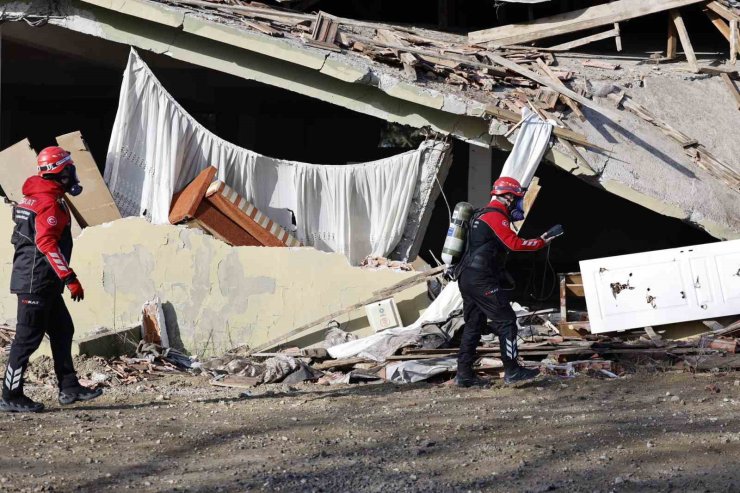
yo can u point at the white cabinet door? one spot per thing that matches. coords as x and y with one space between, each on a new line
664 286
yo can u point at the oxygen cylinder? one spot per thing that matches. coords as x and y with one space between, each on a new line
454 246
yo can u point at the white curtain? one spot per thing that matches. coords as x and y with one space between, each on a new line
157 148
529 147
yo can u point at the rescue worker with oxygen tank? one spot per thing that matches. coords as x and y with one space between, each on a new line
480 273
43 247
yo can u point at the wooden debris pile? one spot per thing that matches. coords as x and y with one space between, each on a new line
6 336
597 356
495 65
126 371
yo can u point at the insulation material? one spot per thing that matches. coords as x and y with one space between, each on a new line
530 145
157 148
153 326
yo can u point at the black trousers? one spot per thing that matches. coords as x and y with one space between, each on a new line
39 315
483 299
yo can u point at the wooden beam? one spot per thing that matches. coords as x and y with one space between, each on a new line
569 102
683 35
264 13
734 44
565 133
545 81
699 154
612 33
733 90
618 37
720 9
576 154
577 20
670 52
723 28
508 64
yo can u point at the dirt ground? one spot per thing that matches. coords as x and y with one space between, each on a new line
648 431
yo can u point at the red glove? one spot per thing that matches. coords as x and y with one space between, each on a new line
75 288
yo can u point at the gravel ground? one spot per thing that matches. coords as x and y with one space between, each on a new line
657 432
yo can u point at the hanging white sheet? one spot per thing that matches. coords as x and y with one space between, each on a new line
529 147
157 148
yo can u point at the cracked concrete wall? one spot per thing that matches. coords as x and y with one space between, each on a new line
221 296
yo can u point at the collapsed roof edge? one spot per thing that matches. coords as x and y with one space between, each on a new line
319 74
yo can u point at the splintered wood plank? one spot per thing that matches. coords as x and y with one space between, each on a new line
732 88
725 29
576 154
568 101
723 11
683 35
734 44
618 37
612 33
577 20
670 52
565 133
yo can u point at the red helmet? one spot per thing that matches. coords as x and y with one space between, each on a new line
53 160
505 185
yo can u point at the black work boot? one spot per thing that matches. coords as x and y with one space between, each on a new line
14 400
473 381
20 404
467 379
519 374
78 393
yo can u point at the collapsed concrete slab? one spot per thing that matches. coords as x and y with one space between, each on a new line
214 296
346 79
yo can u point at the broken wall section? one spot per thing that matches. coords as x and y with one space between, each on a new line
219 296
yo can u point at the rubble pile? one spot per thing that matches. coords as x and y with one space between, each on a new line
6 336
560 356
500 66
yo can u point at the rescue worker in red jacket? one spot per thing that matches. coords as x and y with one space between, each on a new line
480 281
43 246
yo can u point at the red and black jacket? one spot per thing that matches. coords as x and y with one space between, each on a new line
490 237
42 238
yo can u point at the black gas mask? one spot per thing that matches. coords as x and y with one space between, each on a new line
68 179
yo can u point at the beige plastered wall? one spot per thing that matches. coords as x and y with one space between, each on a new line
221 296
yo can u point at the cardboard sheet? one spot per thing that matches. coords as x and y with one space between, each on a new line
95 204
17 163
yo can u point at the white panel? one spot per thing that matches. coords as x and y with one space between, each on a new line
664 286
728 269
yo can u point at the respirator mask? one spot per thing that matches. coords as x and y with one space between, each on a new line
70 182
516 209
